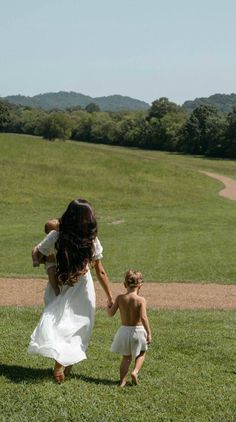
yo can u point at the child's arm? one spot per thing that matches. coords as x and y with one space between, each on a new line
144 319
111 310
103 280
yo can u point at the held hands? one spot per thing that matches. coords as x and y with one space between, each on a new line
110 302
149 339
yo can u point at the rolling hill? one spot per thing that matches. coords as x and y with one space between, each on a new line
63 100
222 102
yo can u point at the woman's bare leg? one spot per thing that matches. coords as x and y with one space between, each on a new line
138 365
58 372
67 370
124 367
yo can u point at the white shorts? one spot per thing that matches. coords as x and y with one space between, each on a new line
130 340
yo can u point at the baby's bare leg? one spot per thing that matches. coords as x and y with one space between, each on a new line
124 367
138 365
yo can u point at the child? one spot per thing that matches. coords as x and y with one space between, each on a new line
50 260
134 335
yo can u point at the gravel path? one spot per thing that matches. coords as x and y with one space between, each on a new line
229 191
29 292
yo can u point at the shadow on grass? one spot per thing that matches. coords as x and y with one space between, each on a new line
93 380
19 374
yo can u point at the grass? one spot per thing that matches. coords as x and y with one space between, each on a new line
188 375
156 212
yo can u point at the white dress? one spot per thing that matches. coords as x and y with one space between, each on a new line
67 321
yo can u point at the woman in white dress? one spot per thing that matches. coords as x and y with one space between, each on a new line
66 324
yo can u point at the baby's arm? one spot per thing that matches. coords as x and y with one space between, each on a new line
111 310
144 319
43 251
37 257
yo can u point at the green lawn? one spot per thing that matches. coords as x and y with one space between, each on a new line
189 373
156 212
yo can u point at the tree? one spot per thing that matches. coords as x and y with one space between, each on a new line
102 128
202 133
161 107
56 125
92 108
4 116
81 126
230 135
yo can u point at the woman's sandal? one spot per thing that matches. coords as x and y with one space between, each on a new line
58 373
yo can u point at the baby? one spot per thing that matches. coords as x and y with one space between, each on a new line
49 261
134 335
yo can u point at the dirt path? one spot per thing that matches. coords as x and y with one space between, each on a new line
229 191
29 292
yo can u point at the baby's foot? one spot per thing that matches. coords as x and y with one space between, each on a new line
58 373
67 370
134 377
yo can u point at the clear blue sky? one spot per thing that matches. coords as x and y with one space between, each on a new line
145 49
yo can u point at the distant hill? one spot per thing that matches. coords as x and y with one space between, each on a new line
222 102
63 100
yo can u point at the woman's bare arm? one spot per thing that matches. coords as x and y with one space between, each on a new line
111 310
103 280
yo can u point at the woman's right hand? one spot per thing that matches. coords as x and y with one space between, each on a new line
110 302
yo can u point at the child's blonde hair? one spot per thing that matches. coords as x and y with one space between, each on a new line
133 278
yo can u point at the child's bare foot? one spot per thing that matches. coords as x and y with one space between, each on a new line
122 384
134 377
67 370
58 373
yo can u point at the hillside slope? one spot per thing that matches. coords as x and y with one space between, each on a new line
63 100
222 102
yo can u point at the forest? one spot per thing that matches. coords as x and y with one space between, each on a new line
165 126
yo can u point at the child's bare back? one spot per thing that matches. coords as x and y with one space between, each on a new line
134 334
131 308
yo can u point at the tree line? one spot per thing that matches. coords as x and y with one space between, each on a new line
166 126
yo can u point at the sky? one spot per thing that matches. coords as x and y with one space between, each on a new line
145 49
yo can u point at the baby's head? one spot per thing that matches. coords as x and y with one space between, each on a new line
50 225
133 279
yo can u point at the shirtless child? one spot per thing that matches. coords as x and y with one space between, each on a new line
49 261
134 335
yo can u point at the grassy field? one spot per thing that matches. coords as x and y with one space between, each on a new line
188 375
156 212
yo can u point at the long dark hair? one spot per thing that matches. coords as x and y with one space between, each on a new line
77 231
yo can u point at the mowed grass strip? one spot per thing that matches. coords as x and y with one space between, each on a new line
188 375
156 212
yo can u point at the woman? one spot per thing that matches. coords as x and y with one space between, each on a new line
66 324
